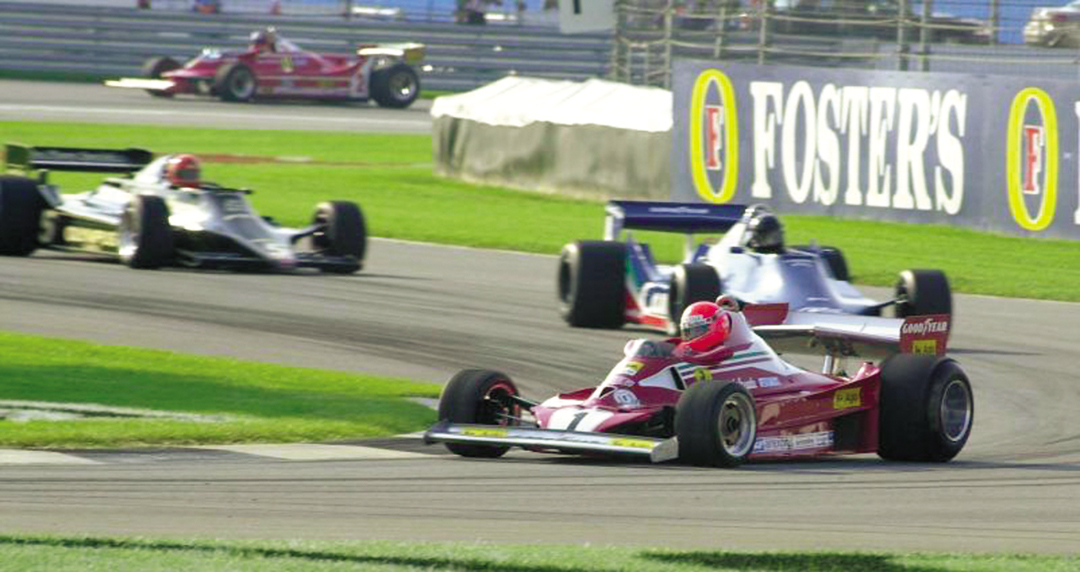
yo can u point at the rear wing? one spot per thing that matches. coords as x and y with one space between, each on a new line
408 52
26 159
845 335
688 218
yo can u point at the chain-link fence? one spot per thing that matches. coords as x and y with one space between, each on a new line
984 36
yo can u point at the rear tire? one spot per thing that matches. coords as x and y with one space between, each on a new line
396 87
479 397
155 68
146 239
20 215
921 292
690 283
592 284
235 82
344 233
716 424
927 409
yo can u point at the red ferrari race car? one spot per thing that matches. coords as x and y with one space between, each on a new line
274 67
721 395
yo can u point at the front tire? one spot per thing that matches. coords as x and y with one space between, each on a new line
344 233
591 284
716 424
235 82
146 239
479 397
396 87
20 215
690 283
155 68
927 409
921 292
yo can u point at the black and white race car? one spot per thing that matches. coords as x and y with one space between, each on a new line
608 283
161 213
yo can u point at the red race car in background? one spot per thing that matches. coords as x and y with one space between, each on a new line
739 400
274 67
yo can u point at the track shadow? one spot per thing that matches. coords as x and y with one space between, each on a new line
787 562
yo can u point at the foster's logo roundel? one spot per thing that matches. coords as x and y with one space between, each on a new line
714 137
1032 159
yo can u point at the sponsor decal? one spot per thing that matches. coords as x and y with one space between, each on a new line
748 383
679 210
634 443
714 137
927 326
287 64
787 443
883 147
631 368
625 398
702 374
477 432
1031 161
846 398
924 347
769 382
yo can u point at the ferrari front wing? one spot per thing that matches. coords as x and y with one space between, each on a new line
533 438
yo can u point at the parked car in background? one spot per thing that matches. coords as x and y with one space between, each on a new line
874 19
1054 27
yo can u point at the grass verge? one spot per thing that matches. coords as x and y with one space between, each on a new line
59 554
259 402
391 177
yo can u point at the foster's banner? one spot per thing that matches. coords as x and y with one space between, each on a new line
992 153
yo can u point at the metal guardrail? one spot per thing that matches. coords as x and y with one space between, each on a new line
116 42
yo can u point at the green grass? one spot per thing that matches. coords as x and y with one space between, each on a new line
262 402
59 554
391 177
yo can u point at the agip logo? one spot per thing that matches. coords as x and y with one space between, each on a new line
1032 159
714 137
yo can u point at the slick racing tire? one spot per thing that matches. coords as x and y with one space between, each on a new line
716 424
833 257
154 68
343 232
591 284
235 82
20 215
690 283
396 86
146 239
927 409
921 292
479 397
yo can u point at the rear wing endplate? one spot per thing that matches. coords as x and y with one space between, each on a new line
688 218
844 335
25 158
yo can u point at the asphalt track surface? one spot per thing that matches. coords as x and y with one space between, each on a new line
423 312
94 103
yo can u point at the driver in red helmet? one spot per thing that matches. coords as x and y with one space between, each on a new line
183 171
705 326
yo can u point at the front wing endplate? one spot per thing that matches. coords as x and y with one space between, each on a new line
657 450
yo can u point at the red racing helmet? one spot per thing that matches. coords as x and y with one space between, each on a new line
704 326
183 171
